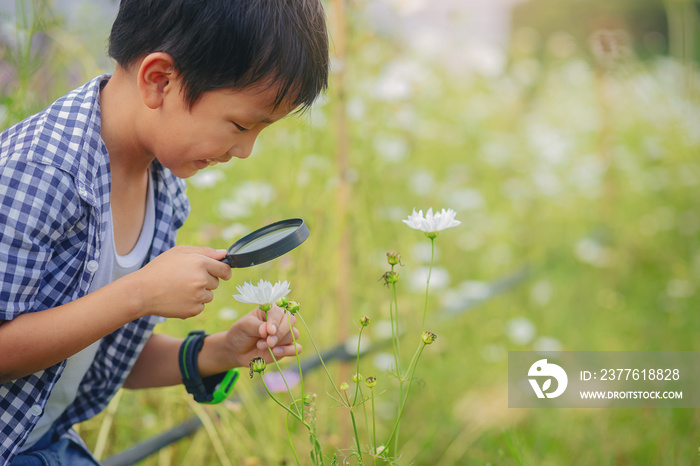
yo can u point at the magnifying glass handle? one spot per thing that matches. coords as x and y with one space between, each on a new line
225 260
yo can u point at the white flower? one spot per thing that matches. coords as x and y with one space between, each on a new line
432 223
264 293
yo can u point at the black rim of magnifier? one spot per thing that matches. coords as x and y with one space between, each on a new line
271 251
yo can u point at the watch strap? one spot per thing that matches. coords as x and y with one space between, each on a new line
202 388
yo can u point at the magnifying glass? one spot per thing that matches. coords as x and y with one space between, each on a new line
267 243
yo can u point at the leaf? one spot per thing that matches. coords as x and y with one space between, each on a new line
546 385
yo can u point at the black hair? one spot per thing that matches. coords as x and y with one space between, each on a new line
218 44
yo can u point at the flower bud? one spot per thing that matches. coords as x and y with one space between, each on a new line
292 307
429 337
364 321
393 258
344 386
371 382
256 365
390 277
282 302
357 377
309 399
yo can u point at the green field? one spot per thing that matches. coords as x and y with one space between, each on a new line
582 175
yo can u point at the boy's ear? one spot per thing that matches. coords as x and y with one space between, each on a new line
156 76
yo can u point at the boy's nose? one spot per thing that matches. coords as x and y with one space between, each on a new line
243 149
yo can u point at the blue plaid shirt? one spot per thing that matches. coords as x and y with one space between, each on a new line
54 206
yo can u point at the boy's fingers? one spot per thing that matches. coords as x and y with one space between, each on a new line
274 318
286 350
283 337
218 269
212 283
287 338
208 297
272 341
214 267
217 254
277 320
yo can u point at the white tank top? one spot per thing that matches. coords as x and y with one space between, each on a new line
111 266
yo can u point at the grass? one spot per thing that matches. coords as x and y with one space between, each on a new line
533 167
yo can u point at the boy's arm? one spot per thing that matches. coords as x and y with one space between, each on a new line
38 340
33 222
249 337
176 284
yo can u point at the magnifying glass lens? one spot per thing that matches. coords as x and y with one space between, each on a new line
267 243
266 240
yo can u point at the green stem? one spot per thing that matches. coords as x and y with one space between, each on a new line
316 452
396 309
364 411
394 339
427 285
412 370
374 427
357 367
414 361
317 449
340 396
296 416
393 305
291 444
398 354
296 353
294 401
357 437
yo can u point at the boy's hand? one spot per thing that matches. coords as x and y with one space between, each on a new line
251 335
179 282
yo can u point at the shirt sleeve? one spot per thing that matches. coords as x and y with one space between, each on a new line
38 205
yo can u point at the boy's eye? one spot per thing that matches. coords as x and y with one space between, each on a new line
239 127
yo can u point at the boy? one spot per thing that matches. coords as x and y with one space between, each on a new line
91 197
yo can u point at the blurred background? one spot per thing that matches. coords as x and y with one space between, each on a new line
564 133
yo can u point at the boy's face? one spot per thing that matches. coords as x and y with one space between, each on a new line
222 124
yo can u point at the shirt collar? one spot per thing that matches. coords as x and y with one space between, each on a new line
81 151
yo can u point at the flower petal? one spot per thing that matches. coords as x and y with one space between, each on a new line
279 290
262 293
432 221
415 220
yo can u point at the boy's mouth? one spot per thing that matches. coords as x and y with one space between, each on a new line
204 163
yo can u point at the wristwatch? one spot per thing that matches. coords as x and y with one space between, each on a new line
210 390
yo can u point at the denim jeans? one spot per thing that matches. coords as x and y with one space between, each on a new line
51 451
